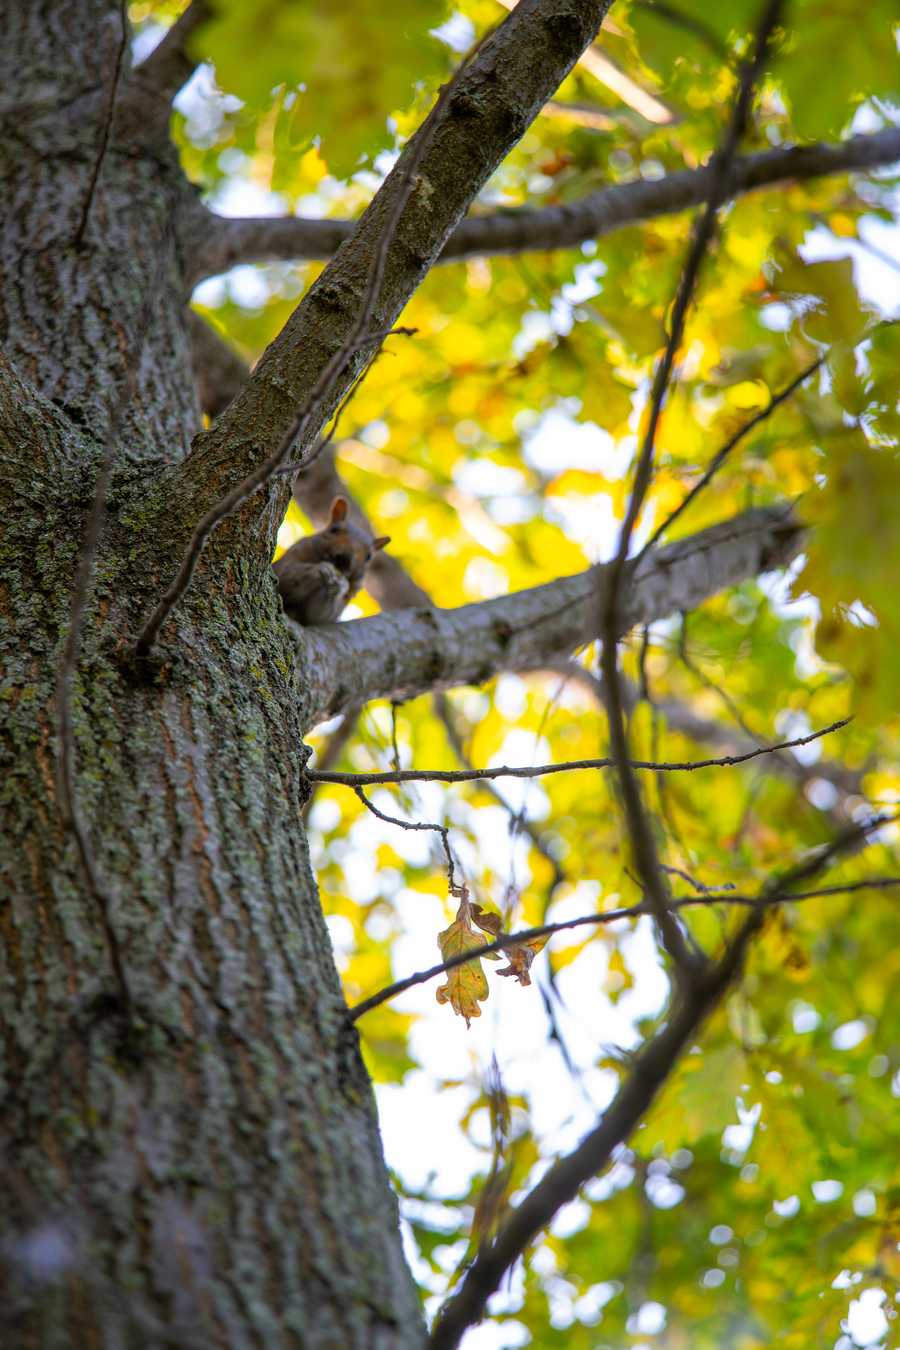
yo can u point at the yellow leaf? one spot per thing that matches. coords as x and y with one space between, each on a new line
467 984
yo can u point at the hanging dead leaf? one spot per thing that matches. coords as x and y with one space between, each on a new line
467 984
519 954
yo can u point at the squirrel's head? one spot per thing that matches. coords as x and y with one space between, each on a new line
360 547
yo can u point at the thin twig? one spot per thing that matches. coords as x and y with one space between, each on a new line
107 125
708 901
698 886
721 455
565 766
358 337
683 957
417 825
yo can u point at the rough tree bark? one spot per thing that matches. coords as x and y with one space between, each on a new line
212 1176
190 1156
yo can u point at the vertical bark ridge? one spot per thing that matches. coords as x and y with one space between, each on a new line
67 313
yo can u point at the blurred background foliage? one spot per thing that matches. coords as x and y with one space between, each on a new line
760 1200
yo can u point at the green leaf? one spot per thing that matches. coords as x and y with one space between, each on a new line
346 66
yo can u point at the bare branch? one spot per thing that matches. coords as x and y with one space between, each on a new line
687 962
359 780
221 243
652 1066
169 67
414 651
106 128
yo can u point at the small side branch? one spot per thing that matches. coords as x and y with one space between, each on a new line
709 900
440 830
362 780
169 66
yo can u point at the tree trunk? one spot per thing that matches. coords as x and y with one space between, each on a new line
190 1153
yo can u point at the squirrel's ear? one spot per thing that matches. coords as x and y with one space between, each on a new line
380 542
338 510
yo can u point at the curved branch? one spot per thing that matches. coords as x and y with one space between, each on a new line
221 243
473 775
415 651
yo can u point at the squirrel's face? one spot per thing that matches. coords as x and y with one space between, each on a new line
350 549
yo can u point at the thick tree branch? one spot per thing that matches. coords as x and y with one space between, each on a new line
304 374
415 651
221 243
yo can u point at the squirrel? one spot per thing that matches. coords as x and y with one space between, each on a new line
320 573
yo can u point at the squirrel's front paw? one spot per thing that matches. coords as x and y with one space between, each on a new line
311 592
